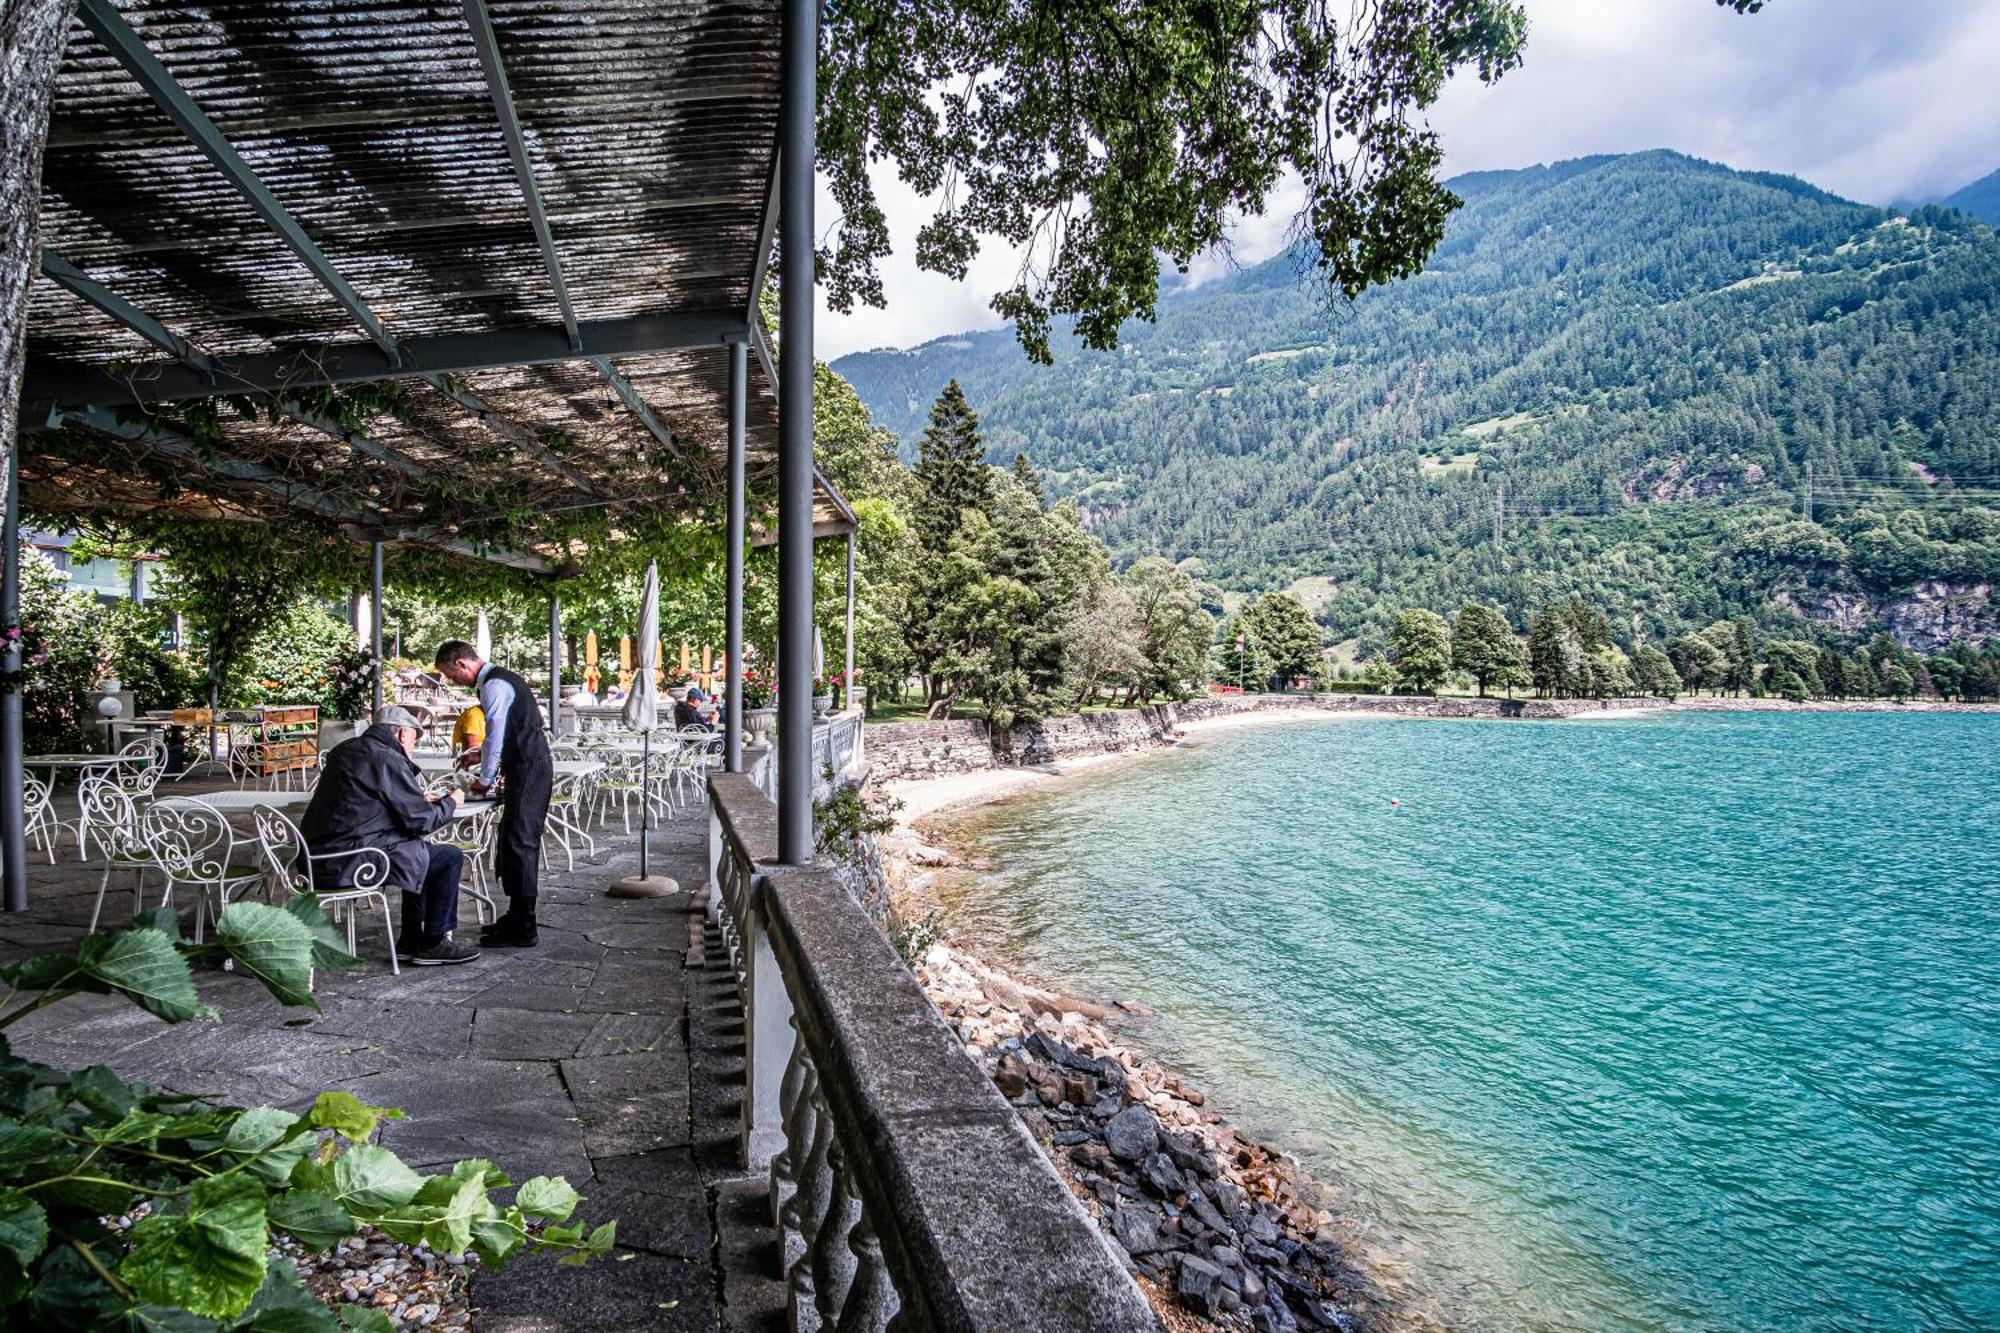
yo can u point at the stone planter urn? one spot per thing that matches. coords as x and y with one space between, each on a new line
759 722
822 705
334 732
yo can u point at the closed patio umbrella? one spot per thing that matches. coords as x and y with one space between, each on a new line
482 639
590 672
642 714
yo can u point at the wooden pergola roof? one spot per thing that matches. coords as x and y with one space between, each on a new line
403 267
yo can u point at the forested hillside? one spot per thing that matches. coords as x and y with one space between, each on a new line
1981 199
1611 381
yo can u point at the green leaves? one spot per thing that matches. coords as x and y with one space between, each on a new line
548 1197
24 1234
208 1260
329 947
312 1217
348 1116
146 965
272 945
77 1148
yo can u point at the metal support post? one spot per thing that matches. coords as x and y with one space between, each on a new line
555 665
13 812
797 151
847 674
732 649
375 618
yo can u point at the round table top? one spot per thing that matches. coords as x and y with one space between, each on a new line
82 760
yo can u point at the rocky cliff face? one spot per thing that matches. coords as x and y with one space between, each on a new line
1927 617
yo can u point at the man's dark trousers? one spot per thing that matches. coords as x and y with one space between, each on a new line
430 915
524 809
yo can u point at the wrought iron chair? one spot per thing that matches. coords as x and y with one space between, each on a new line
110 818
290 862
39 820
192 845
473 835
566 818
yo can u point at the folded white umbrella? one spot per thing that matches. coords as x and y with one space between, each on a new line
482 639
642 705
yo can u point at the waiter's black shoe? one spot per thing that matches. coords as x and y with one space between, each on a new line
516 930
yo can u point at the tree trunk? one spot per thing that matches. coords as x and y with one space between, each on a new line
32 33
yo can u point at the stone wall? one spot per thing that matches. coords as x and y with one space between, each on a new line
905 750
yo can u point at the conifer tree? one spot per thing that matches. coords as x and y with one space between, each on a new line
951 468
1031 480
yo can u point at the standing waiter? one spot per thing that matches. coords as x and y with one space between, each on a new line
518 752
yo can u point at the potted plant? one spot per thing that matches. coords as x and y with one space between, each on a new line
350 692
759 715
823 695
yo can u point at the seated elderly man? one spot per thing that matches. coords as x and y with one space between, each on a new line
369 795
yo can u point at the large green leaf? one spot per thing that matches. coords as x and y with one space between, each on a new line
495 1239
272 945
348 1116
269 1136
369 1180
283 1305
313 1217
329 946
40 973
145 965
24 1228
144 1126
208 1260
451 1231
103 1092
548 1197
366 1319
163 919
22 1146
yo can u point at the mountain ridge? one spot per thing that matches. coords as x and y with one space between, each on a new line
1599 346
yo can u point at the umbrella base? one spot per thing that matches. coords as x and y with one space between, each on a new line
644 886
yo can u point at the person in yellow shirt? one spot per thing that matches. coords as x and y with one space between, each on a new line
468 735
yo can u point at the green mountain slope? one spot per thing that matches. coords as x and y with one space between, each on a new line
1611 380
1981 199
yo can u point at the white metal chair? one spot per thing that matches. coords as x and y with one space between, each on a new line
290 863
473 836
566 819
192 846
110 819
39 820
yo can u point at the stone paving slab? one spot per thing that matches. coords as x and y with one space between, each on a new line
571 1059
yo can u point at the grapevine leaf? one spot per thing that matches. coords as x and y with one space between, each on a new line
366 1319
495 1239
369 1180
347 1115
314 1218
24 1227
268 1135
329 946
283 1305
145 965
272 945
548 1197
209 1260
102 1092
451 1231
163 919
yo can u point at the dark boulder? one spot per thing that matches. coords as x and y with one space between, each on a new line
1131 1134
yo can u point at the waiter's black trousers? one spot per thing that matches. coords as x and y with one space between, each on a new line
524 809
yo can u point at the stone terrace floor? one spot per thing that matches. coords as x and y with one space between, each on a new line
611 1054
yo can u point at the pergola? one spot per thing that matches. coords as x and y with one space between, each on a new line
401 269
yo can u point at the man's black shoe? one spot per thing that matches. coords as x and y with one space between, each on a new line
444 953
509 933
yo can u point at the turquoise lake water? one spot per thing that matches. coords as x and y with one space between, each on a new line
1687 1023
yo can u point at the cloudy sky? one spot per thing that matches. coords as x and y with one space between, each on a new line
1878 100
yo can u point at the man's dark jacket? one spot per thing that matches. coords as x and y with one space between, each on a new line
369 795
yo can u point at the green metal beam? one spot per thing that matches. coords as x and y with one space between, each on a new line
110 28
76 385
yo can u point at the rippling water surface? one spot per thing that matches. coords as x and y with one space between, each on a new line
1684 1024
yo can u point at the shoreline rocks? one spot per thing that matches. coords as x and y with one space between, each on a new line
1221 1226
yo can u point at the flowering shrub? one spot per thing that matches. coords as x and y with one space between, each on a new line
759 688
351 682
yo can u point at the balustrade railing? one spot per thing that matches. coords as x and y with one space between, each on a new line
907 1189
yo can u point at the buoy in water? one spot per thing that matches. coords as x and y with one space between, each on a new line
1394 801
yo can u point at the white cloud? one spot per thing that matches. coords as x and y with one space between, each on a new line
1877 100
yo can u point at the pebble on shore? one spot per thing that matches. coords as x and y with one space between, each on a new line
1209 1221
414 1287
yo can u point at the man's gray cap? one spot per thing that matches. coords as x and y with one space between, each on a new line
396 715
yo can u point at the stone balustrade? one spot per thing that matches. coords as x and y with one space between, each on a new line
906 1187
